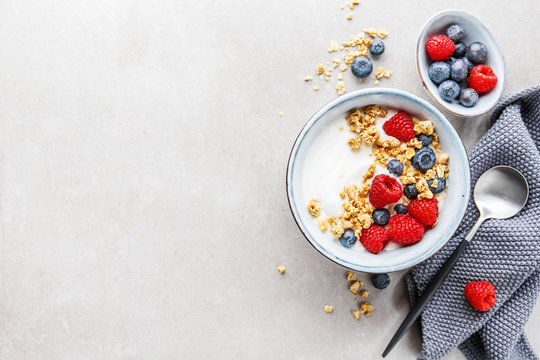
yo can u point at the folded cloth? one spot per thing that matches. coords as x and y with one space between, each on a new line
503 252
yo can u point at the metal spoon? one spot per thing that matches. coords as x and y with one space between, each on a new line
500 193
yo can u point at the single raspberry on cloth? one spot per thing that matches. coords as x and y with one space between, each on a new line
384 190
405 229
480 294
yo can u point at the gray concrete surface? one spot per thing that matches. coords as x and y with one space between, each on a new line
142 173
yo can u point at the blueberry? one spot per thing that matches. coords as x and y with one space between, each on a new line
455 32
458 70
424 158
410 191
395 167
377 47
441 185
468 97
425 139
439 71
477 52
380 217
450 60
361 67
459 49
380 281
348 238
449 90
400 209
470 65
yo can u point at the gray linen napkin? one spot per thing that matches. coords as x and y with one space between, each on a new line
503 252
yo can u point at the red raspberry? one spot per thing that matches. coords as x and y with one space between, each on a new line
425 211
405 229
482 79
374 238
400 126
440 47
384 190
480 294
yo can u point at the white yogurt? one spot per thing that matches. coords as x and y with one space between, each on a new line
331 165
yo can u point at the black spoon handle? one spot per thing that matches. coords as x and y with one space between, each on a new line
426 296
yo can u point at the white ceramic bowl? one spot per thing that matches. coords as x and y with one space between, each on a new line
453 209
474 31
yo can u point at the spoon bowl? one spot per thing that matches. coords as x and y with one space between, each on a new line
500 193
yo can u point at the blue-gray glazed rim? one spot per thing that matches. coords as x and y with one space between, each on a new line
450 214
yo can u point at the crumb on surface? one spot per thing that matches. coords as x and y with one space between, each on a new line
382 33
339 76
316 88
371 32
355 287
328 308
334 46
281 269
376 82
320 69
351 276
308 78
350 16
356 314
280 114
340 87
383 73
364 294
366 308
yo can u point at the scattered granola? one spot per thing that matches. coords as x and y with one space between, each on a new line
351 276
356 314
281 269
280 114
328 308
350 16
357 45
364 294
316 88
308 78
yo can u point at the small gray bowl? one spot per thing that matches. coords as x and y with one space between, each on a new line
474 31
450 215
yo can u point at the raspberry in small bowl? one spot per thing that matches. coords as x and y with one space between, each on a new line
460 63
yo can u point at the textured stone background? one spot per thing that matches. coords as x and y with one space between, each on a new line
142 171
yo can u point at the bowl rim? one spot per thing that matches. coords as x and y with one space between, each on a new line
292 156
426 88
